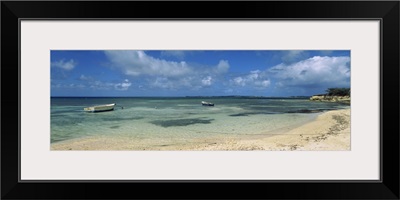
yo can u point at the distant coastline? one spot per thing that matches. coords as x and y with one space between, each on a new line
326 98
338 95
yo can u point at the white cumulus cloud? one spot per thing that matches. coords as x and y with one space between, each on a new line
255 78
123 86
207 81
137 63
317 70
264 83
66 65
165 83
188 82
163 73
90 82
222 67
85 78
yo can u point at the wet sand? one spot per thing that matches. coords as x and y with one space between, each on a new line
329 131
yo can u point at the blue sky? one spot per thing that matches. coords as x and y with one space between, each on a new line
197 73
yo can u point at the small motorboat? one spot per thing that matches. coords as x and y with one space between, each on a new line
100 108
204 103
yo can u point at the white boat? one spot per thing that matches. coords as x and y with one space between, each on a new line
204 103
100 108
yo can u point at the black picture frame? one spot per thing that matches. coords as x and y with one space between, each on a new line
386 11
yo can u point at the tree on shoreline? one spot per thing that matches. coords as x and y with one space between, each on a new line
338 91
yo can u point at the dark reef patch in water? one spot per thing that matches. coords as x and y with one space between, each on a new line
122 118
308 111
252 113
59 115
181 122
239 115
64 112
114 127
289 111
66 121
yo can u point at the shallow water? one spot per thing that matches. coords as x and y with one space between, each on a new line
179 119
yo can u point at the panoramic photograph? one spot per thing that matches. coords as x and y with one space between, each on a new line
200 100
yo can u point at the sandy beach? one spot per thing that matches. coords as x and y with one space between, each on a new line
329 131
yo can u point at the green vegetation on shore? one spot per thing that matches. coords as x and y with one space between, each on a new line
338 91
341 95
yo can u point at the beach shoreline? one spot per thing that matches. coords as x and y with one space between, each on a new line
328 131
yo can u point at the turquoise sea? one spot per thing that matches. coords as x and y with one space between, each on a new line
166 120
